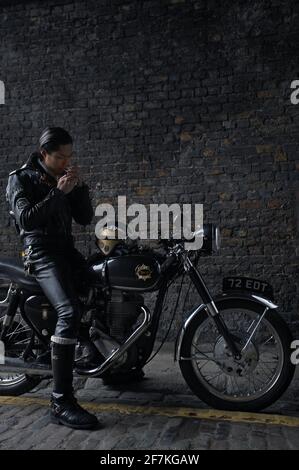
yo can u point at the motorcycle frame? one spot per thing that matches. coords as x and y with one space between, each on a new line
182 264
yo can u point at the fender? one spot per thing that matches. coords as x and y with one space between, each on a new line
222 301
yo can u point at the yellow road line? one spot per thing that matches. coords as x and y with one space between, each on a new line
170 412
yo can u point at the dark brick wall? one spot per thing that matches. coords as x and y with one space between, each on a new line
168 101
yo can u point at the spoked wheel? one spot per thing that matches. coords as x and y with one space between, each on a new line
256 380
18 336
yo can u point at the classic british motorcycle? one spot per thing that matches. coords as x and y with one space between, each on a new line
233 350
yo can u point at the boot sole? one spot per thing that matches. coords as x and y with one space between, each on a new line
74 426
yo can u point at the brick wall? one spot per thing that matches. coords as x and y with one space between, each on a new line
168 101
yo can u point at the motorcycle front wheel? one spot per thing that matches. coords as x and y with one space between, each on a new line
255 381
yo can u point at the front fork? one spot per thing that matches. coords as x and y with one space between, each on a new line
204 293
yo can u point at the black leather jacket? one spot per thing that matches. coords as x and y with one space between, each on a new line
43 213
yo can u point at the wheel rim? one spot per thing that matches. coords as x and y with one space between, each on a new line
18 335
10 379
236 381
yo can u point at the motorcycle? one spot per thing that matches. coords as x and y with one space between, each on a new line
233 349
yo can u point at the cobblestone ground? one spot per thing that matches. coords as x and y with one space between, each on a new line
129 422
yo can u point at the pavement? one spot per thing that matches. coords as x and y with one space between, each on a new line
159 413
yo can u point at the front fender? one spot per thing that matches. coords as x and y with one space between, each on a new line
223 301
251 296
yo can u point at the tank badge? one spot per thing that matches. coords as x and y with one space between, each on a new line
143 272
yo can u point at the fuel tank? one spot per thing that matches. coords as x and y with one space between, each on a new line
129 272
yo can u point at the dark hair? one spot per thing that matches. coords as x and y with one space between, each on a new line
53 137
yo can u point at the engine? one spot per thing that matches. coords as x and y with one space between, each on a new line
116 315
113 320
122 312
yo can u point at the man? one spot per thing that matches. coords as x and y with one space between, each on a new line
44 195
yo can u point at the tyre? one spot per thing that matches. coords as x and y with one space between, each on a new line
255 381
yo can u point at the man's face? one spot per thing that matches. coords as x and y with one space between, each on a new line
58 160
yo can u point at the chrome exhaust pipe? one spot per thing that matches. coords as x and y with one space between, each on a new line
117 353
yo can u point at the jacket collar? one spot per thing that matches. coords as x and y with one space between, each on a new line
34 162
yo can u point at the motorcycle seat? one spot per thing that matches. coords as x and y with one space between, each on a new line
13 269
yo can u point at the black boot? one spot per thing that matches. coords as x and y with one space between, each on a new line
64 407
66 410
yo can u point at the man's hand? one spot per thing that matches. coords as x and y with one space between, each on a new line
67 182
73 172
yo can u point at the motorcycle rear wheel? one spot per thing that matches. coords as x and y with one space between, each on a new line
14 383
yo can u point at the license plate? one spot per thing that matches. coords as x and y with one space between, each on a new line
247 284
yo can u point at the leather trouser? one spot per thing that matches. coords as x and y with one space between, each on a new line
61 275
